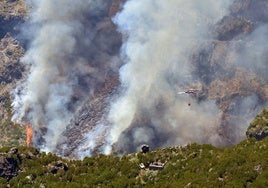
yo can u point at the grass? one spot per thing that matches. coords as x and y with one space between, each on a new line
242 165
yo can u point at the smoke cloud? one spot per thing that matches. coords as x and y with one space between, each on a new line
252 56
255 51
66 62
159 39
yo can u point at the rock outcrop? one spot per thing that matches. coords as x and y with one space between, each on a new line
9 164
227 76
56 166
258 128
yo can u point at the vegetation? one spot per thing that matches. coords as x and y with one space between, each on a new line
11 135
10 70
243 165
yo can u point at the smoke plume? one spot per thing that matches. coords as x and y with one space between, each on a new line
255 51
252 56
159 39
66 62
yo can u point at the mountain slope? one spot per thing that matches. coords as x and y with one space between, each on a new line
12 14
242 165
193 165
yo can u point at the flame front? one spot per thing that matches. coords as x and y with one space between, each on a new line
29 133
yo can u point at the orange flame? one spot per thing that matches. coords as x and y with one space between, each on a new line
29 133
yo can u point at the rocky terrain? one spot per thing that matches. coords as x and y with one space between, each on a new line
93 109
12 13
230 84
258 128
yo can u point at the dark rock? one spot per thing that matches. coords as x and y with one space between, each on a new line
13 151
55 167
231 26
9 25
145 148
258 128
251 9
9 166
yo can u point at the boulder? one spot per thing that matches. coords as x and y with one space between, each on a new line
55 167
9 164
258 128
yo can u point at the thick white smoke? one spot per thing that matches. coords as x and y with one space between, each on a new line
255 51
159 39
252 57
46 99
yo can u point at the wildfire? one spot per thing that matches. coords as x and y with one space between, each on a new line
29 133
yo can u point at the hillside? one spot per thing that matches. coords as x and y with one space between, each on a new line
258 128
242 165
12 15
224 74
193 165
